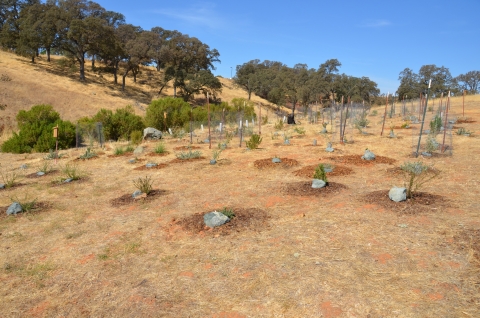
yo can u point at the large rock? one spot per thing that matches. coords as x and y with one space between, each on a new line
276 160
2 186
214 219
152 133
397 194
317 184
368 155
14 208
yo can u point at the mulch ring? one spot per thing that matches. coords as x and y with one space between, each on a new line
305 189
158 166
34 175
245 219
125 154
465 121
38 207
308 171
397 171
180 148
421 202
178 160
358 161
267 163
57 183
91 158
15 185
127 199
154 154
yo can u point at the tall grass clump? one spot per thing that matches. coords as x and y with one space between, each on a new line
145 185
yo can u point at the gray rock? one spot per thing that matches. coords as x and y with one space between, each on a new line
152 133
397 194
206 141
317 184
287 142
24 166
314 142
68 180
138 150
2 186
151 165
213 161
276 160
213 219
132 160
136 193
324 131
329 149
40 173
392 135
426 154
14 208
368 155
327 168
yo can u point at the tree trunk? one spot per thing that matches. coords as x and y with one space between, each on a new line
115 69
249 94
123 79
174 90
93 62
81 60
48 54
33 58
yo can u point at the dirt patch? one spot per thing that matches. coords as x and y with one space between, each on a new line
246 219
468 241
267 163
154 154
159 166
308 171
91 158
34 175
177 160
466 121
358 161
180 148
61 183
125 154
305 189
421 202
127 199
400 127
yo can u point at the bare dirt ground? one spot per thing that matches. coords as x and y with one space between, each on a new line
88 250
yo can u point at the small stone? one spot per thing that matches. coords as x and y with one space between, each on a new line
296 255
287 142
403 226
215 218
67 180
213 161
14 208
136 194
138 150
314 142
317 184
392 135
132 160
324 131
276 160
23 167
327 168
206 141
40 173
368 155
397 194
2 186
426 154
329 148
318 263
151 165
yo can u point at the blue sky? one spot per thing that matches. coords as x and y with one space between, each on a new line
372 38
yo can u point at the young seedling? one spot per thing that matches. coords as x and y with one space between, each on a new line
416 175
144 184
320 173
254 142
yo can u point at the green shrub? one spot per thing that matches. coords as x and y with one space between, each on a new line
189 155
254 141
299 130
177 110
129 148
88 154
320 173
160 149
279 125
71 171
36 131
119 151
416 175
435 125
136 137
26 204
228 213
8 178
120 124
144 184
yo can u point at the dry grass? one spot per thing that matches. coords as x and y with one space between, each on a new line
332 256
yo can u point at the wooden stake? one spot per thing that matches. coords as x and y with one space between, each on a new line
445 125
384 115
260 120
209 135
463 103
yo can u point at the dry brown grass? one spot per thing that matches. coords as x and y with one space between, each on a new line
332 256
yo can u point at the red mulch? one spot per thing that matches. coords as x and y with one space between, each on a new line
305 189
154 154
358 161
158 166
422 202
127 199
125 154
466 121
308 171
267 163
246 219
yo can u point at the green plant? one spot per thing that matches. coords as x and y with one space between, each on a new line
119 151
45 167
228 212
71 171
431 145
406 124
320 173
416 175
120 124
216 154
26 204
136 137
8 178
178 133
129 148
88 154
160 149
435 125
53 155
279 125
254 141
300 130
144 184
188 155
462 131
264 120
374 113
